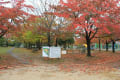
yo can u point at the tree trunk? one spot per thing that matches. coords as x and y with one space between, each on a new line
113 46
99 45
39 47
56 44
7 43
68 45
36 44
88 48
29 45
107 46
49 40
40 44
65 45
24 45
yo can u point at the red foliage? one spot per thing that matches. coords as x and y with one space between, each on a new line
90 17
9 17
86 13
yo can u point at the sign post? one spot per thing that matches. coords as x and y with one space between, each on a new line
64 52
45 51
51 52
55 52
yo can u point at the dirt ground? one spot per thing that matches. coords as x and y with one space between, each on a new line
102 66
50 72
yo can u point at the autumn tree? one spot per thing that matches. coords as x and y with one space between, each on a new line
87 16
38 31
114 35
114 26
43 10
13 16
62 31
31 32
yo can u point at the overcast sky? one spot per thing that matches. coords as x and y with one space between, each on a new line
40 4
36 3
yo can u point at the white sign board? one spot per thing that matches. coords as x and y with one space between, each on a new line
45 51
64 52
55 52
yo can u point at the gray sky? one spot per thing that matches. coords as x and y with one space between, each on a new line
40 5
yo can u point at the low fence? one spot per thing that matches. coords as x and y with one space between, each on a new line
75 51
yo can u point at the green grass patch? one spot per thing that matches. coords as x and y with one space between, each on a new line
4 50
21 50
24 51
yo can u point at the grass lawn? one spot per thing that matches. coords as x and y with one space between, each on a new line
3 50
9 60
21 50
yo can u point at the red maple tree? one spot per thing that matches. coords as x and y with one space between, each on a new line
87 16
11 17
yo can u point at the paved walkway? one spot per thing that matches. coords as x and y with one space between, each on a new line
21 60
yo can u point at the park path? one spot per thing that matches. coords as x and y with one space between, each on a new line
49 72
21 60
